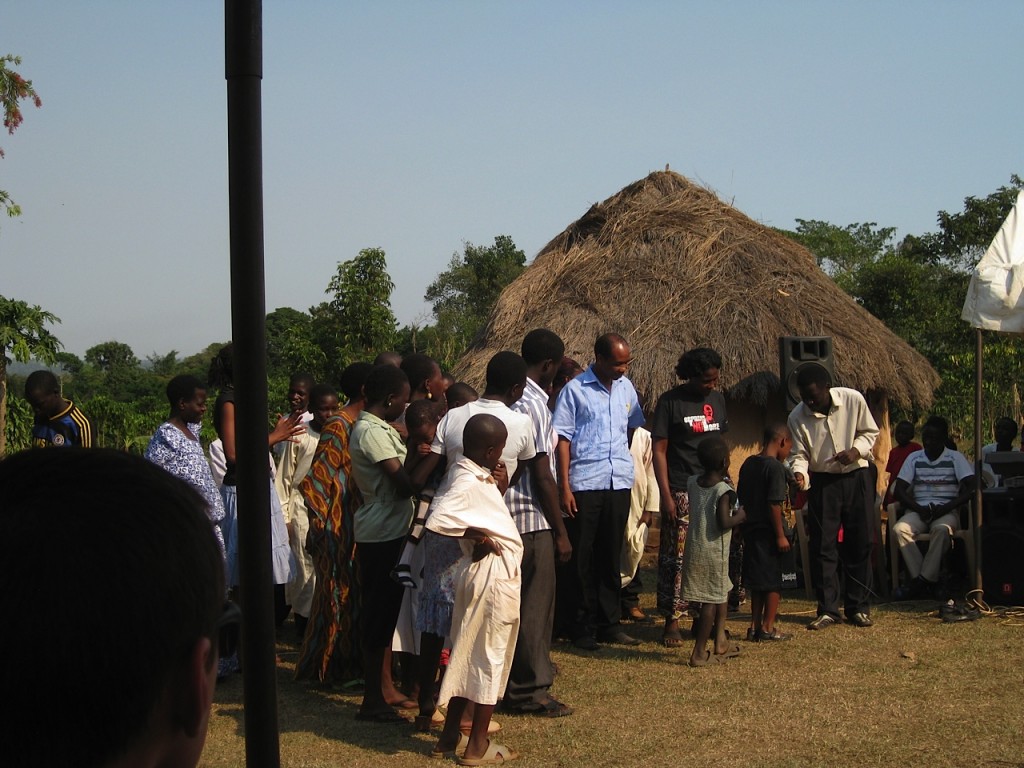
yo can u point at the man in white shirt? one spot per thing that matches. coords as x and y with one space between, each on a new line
932 486
833 433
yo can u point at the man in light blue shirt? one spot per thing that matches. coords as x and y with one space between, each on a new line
594 417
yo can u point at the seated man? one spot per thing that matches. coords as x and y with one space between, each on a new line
931 487
1005 430
111 640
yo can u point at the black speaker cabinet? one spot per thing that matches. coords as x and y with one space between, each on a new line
797 352
1002 564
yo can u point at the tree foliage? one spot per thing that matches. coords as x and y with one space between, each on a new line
14 89
24 336
357 322
463 295
842 251
917 288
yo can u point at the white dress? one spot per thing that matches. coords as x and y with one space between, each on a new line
485 622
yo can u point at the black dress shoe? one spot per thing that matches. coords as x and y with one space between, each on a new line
586 643
861 619
618 638
822 622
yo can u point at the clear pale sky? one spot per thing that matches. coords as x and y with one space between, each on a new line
416 126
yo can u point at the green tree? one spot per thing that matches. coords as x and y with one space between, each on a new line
464 294
429 340
13 90
111 355
917 288
357 323
842 251
291 345
165 366
23 337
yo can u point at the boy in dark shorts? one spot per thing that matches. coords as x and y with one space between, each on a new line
763 486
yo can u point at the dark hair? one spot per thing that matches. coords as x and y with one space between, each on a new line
566 372
301 378
418 367
221 374
319 391
140 580
540 344
772 430
812 373
183 387
712 453
383 382
42 381
605 342
353 379
460 392
939 424
504 371
1007 420
482 430
388 358
422 412
695 362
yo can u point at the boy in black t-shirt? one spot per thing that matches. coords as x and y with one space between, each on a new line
762 490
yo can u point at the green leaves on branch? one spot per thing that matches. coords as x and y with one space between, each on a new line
464 294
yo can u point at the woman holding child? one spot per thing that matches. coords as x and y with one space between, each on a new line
683 418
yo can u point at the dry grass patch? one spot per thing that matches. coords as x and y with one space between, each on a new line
910 691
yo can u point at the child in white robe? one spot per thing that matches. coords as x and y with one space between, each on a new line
485 622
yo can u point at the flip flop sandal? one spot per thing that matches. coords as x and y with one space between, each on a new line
709 661
731 653
673 639
440 754
496 754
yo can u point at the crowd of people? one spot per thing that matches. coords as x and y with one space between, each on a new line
432 542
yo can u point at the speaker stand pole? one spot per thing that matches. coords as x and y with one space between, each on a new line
977 511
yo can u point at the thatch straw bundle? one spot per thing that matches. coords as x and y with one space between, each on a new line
671 267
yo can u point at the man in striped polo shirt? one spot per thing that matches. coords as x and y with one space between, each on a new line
533 502
932 486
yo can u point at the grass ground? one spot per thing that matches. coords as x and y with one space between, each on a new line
910 691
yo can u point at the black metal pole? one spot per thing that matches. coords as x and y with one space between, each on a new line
978 517
243 22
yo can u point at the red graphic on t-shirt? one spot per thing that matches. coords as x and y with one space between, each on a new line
709 413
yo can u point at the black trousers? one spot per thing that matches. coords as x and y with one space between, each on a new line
381 595
569 620
846 500
532 675
601 516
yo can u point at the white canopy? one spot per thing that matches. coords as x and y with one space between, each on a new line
995 298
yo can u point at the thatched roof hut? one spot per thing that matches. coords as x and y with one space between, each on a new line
670 266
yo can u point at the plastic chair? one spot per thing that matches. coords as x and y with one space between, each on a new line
964 534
